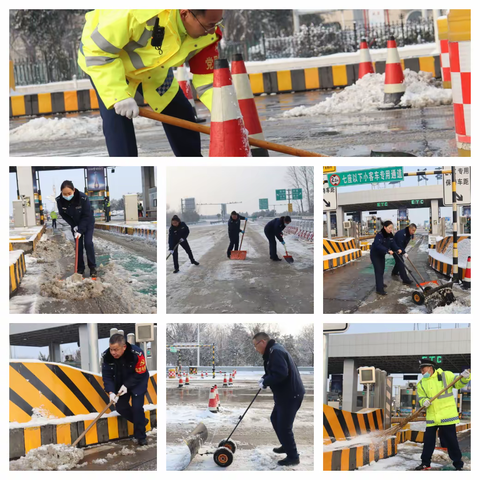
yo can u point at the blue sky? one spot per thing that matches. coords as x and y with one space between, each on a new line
125 180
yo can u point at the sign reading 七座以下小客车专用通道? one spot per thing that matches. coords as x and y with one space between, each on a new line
362 177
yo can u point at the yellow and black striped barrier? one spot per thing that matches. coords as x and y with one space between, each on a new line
283 81
442 245
347 247
408 435
17 271
62 392
150 234
445 268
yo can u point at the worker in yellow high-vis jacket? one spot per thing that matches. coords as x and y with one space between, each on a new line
442 413
129 53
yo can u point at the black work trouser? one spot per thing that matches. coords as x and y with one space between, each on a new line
378 261
233 244
54 223
86 240
448 434
272 244
134 413
282 418
400 267
187 249
120 137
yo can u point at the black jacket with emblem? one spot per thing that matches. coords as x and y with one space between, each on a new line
176 233
77 212
281 373
129 370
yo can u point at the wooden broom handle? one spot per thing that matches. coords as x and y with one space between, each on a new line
244 230
93 423
178 122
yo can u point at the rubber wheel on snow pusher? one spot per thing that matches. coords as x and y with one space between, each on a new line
418 298
223 457
230 444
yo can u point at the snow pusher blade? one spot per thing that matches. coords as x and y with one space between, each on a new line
240 254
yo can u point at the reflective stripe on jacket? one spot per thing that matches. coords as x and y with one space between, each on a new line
117 53
442 411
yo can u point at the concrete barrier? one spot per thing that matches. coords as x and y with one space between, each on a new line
339 252
148 233
17 270
27 238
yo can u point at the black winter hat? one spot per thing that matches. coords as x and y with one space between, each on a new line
175 217
234 213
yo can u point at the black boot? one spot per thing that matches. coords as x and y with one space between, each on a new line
422 467
93 272
278 450
381 293
194 262
289 462
142 442
176 270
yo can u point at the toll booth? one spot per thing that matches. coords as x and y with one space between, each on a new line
465 403
374 225
408 399
402 219
467 213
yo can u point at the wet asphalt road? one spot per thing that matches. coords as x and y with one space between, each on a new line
422 132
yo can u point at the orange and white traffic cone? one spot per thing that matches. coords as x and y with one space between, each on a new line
228 135
184 82
230 381
394 87
187 380
459 36
467 281
217 397
212 403
365 66
234 373
201 376
246 102
206 374
225 381
180 382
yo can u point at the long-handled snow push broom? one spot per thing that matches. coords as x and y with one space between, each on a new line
443 293
223 455
393 430
240 254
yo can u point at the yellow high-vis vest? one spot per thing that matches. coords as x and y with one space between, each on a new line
116 52
442 411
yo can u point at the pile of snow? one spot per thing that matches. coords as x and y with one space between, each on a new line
49 457
464 250
44 129
178 457
72 288
366 95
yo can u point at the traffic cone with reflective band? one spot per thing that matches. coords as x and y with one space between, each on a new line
187 380
230 380
234 373
202 375
180 382
184 82
228 135
394 86
225 381
467 281
212 404
365 65
217 398
442 25
206 374
459 36
246 102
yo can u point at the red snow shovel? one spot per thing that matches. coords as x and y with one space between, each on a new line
239 254
288 258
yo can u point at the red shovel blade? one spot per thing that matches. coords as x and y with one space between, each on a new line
238 255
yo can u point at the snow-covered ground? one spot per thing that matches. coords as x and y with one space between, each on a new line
366 95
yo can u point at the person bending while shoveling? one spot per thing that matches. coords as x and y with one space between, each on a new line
177 235
234 231
75 208
273 230
124 370
402 239
283 378
442 413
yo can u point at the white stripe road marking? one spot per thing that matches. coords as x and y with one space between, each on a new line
242 86
224 104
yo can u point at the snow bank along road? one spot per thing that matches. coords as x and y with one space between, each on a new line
127 281
255 437
254 285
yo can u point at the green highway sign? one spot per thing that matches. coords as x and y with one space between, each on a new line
281 194
361 177
297 194
263 203
382 204
418 202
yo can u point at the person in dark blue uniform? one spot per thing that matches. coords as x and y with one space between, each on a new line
177 235
273 229
125 376
384 243
234 231
75 208
402 239
283 378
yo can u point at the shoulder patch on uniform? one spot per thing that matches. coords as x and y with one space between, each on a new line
141 366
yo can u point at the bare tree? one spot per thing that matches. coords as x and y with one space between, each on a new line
294 178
